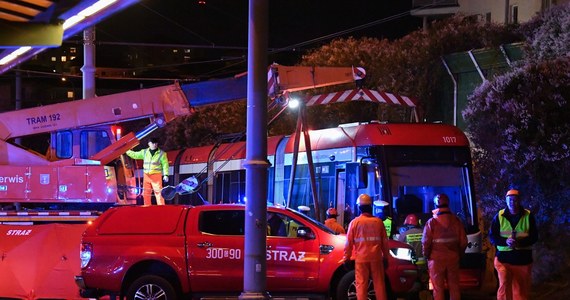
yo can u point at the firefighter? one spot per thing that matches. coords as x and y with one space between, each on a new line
155 169
444 242
412 233
513 232
331 222
368 244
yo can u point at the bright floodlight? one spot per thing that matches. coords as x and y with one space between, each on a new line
294 103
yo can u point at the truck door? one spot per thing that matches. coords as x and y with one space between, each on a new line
215 251
292 262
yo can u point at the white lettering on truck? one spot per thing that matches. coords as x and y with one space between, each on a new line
275 255
12 179
19 232
280 255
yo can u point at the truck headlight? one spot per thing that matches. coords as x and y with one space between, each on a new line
402 253
85 254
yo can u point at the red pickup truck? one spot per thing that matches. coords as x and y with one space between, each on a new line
179 251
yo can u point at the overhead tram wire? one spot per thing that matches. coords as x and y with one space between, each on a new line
341 33
176 23
346 31
242 60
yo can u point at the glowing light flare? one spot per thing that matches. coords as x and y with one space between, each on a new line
89 11
98 6
293 103
72 21
14 55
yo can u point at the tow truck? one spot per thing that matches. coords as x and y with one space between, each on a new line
82 172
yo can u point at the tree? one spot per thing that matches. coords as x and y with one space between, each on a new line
519 125
548 35
205 125
411 65
408 66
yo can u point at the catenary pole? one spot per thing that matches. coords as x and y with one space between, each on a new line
256 164
88 68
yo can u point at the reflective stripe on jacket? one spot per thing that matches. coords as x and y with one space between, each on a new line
521 229
366 239
152 164
413 237
444 237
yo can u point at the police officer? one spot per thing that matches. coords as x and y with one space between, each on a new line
513 232
331 222
368 244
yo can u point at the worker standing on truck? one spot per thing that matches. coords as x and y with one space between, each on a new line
444 242
331 222
155 169
367 237
513 232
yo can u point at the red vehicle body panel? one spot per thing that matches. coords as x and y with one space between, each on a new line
125 238
413 134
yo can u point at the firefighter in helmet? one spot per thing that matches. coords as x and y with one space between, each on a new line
331 222
411 233
367 243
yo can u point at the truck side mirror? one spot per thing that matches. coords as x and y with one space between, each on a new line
306 233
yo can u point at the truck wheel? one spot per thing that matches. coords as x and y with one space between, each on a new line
151 287
346 289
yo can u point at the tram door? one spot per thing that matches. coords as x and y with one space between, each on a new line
340 198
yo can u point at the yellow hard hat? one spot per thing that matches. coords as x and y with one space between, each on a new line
364 199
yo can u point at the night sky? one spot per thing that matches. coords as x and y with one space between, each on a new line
225 22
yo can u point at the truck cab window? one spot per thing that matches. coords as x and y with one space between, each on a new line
64 144
93 141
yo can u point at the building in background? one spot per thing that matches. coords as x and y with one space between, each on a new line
490 11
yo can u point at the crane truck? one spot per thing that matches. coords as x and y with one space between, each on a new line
57 193
78 170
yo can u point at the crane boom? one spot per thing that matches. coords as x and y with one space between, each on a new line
167 101
78 168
